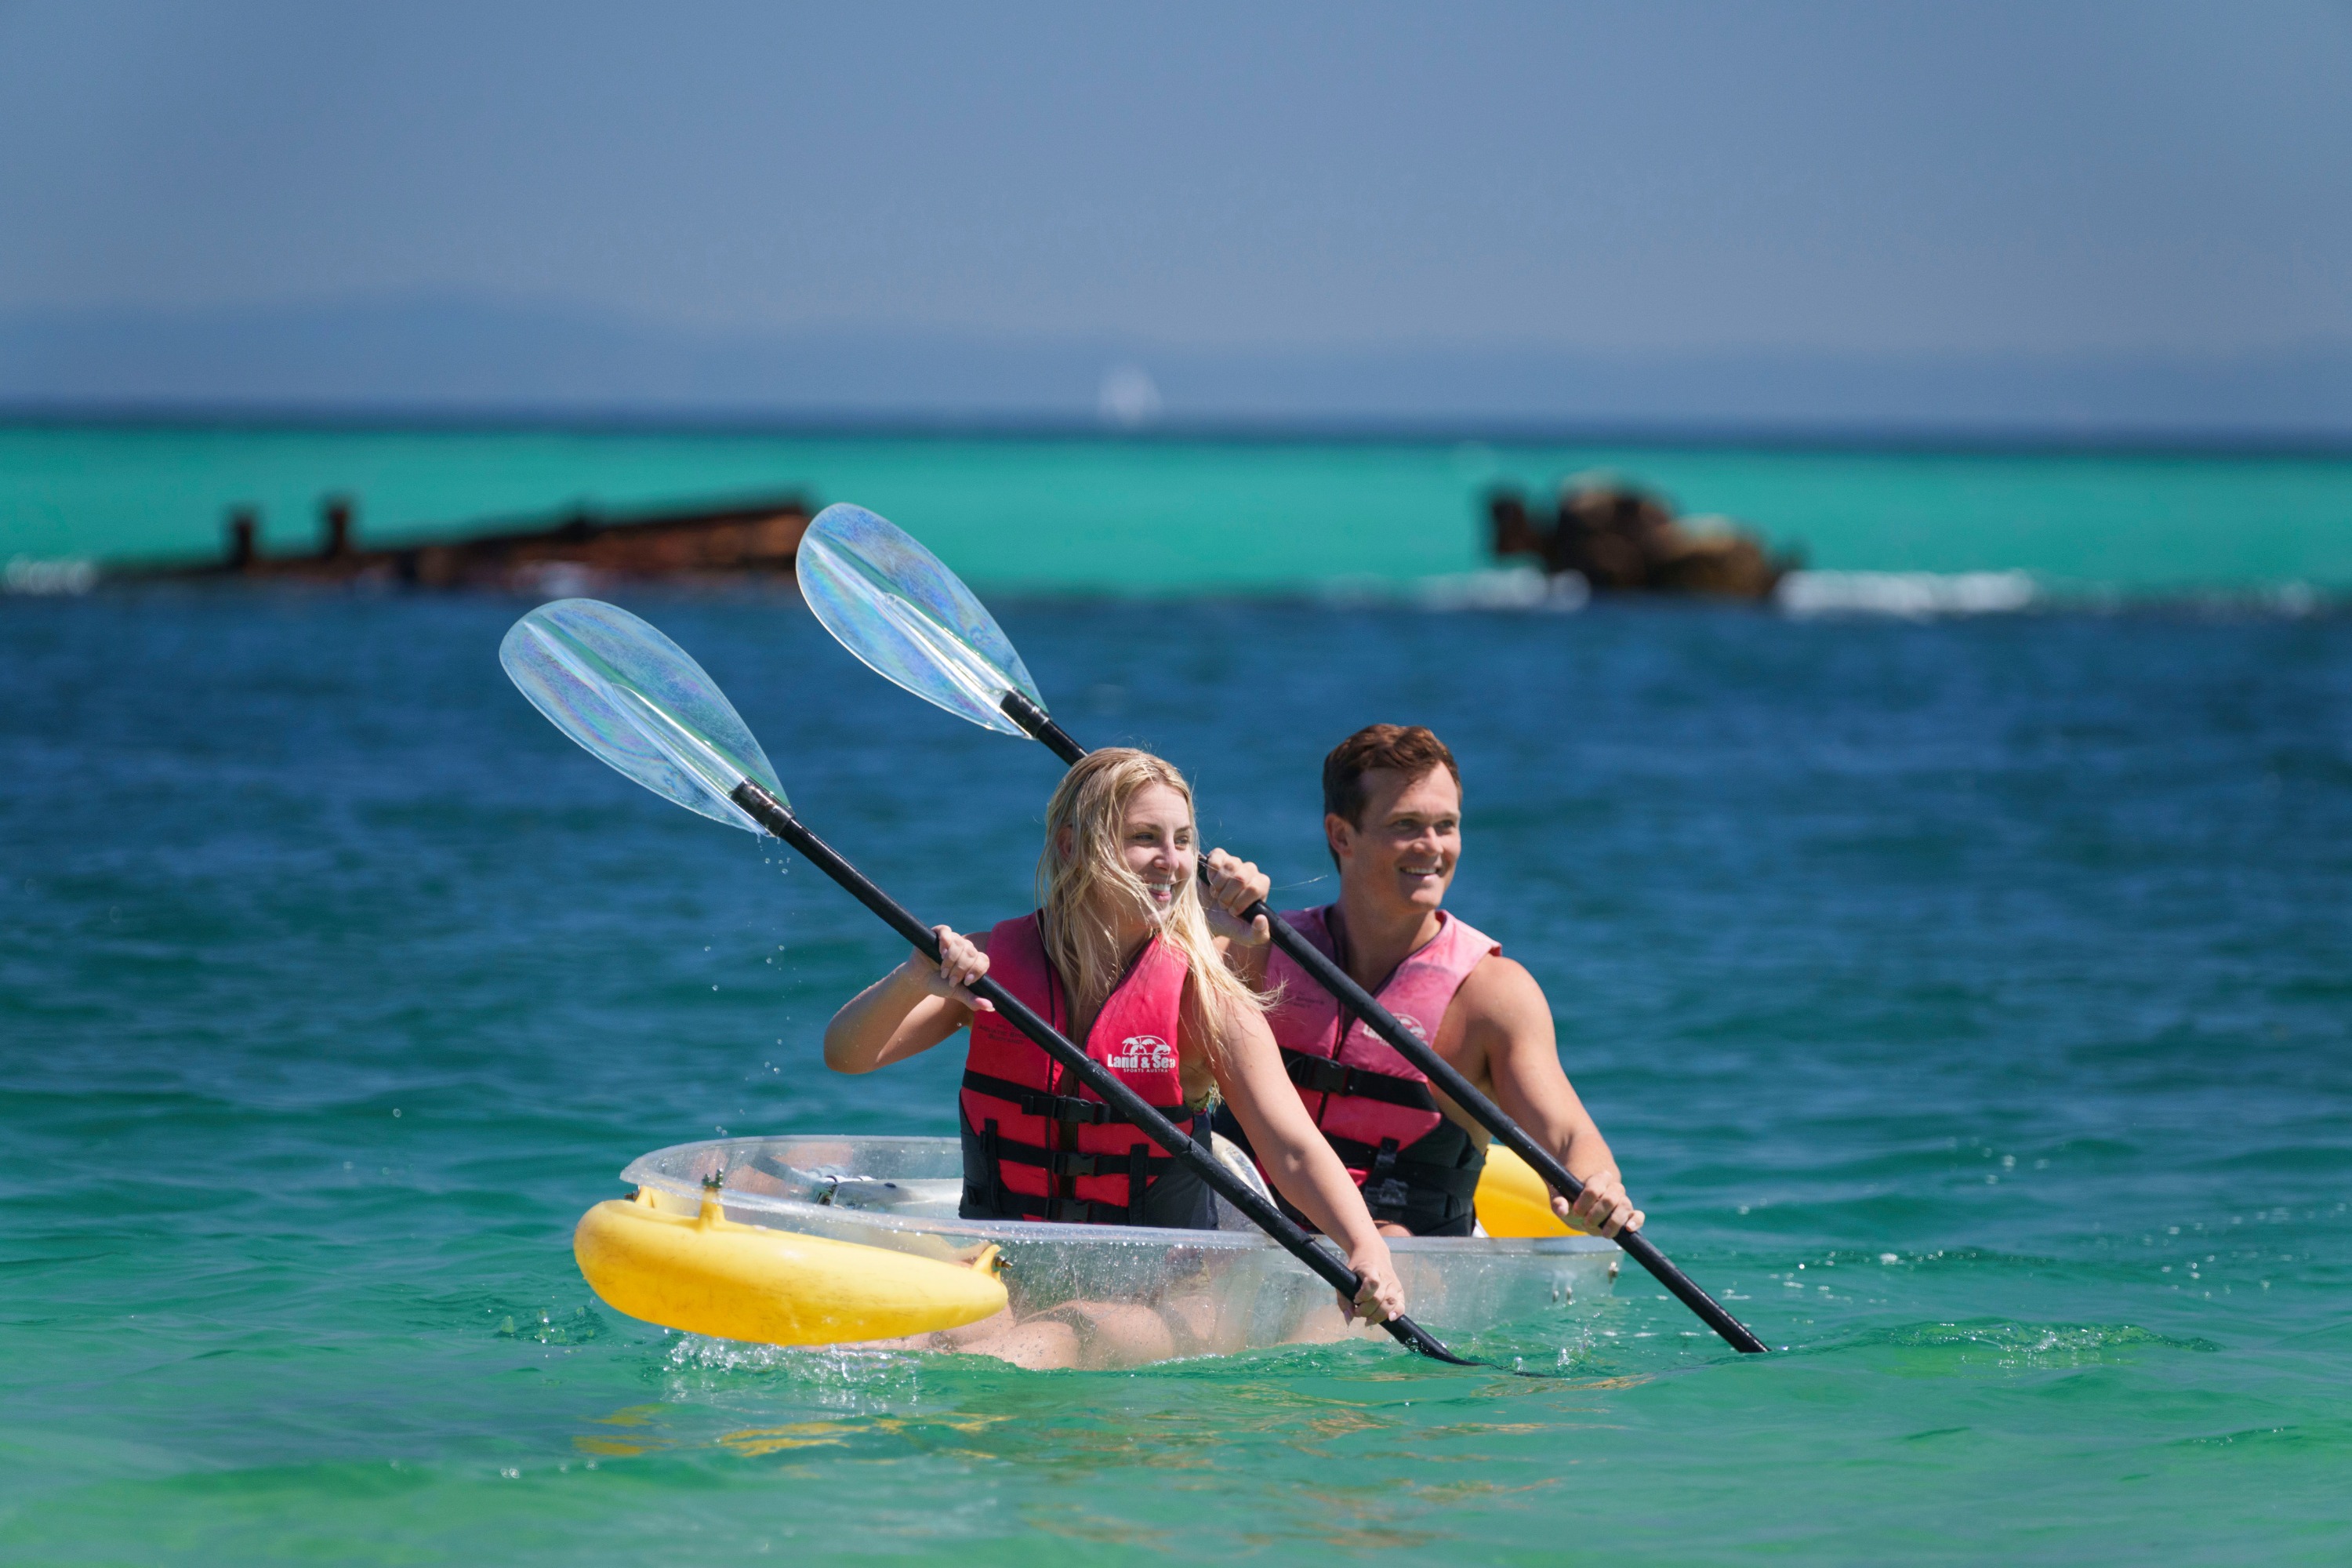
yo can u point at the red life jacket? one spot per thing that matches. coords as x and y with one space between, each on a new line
1038 1142
1416 1167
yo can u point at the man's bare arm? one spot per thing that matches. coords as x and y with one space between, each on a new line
1507 1029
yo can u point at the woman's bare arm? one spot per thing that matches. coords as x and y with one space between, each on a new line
910 1009
1300 1163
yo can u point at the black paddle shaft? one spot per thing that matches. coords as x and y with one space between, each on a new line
1440 1071
777 819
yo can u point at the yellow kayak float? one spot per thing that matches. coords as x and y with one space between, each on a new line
707 1274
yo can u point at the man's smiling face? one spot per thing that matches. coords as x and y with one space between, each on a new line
1405 854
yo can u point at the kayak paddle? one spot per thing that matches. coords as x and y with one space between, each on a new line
906 617
638 702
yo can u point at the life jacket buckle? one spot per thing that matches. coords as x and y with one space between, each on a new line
1318 1075
1067 1108
1383 1188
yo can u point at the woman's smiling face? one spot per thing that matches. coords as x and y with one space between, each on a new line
1156 841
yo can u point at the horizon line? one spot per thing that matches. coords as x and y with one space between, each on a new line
1892 437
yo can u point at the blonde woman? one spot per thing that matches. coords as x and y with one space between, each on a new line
1124 958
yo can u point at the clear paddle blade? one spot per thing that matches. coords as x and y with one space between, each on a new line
897 607
638 702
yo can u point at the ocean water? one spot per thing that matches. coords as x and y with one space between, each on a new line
1967 1001
1178 515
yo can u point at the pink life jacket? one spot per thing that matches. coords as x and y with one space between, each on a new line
1039 1143
1416 1167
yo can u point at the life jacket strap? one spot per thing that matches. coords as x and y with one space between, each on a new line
1057 1107
1381 1165
1384 1193
1144 1158
993 1143
1322 1075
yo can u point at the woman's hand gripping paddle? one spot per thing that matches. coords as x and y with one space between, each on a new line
899 608
636 701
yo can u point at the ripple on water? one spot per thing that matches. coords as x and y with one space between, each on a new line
2008 1345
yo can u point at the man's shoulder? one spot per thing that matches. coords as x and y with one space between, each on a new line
1500 988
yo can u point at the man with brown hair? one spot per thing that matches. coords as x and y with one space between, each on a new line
1392 821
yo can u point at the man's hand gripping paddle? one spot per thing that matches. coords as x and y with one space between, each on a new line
899 608
636 701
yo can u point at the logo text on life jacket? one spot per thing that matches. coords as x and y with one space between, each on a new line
1142 1053
1413 1025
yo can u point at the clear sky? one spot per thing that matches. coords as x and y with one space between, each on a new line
1970 178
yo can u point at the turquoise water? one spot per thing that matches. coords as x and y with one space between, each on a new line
1138 516
1968 1003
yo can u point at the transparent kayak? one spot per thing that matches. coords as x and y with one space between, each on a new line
1133 1294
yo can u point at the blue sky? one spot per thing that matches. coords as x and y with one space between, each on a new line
1876 179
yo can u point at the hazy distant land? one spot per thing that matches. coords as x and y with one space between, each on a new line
451 356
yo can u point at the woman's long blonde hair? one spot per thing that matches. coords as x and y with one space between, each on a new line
1083 881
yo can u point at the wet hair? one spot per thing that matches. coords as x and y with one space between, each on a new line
1407 748
1083 882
